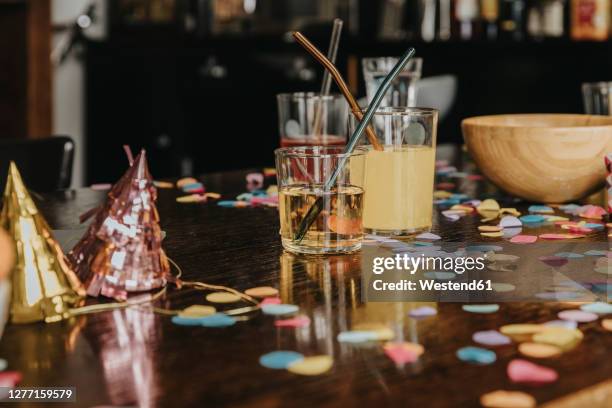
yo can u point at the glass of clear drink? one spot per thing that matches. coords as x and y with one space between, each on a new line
399 179
312 119
302 173
597 98
403 90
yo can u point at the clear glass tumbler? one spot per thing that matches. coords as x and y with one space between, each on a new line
302 173
597 98
312 119
399 179
403 89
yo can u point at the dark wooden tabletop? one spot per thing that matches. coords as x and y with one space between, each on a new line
137 358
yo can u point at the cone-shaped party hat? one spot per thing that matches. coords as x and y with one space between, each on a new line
121 251
44 287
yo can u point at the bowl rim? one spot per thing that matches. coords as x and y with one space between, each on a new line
471 121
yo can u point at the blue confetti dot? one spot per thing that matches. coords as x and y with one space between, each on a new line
357 336
596 252
193 186
422 243
593 225
540 209
492 308
244 197
531 219
227 203
281 309
280 360
476 355
218 320
569 255
597 307
187 321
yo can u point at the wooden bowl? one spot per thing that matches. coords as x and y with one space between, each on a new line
549 158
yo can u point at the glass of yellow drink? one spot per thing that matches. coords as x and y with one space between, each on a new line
302 173
398 180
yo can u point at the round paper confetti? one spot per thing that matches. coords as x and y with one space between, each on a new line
280 360
490 338
540 209
539 350
597 307
356 336
222 297
262 292
532 219
440 275
297 321
197 311
523 239
187 321
413 348
498 234
507 399
489 228
400 355
279 310
185 181
523 371
565 339
271 301
595 252
510 221
315 365
569 255
163 184
217 320
501 287
566 324
607 324
423 311
492 308
428 235
476 355
577 316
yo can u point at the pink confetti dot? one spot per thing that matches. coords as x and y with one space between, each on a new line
523 239
523 371
577 316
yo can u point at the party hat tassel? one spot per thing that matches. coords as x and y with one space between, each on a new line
44 287
121 251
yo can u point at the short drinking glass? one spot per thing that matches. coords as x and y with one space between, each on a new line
403 90
597 97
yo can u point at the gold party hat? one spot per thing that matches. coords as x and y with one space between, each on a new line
44 285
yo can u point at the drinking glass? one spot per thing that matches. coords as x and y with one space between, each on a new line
312 119
399 178
302 173
597 98
403 89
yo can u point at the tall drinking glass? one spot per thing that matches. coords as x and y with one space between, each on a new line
399 179
312 119
403 89
597 98
302 173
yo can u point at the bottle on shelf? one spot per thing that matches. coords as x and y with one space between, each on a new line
466 15
489 11
553 18
512 18
590 20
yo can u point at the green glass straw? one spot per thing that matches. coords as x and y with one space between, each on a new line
317 207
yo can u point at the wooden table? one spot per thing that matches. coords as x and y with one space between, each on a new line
135 357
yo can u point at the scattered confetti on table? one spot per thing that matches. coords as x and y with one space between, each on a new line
539 350
279 309
222 297
423 311
197 311
357 336
507 399
484 309
314 365
577 316
476 355
280 360
262 292
523 239
297 321
523 371
597 307
491 338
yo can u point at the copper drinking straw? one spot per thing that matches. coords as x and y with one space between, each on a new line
314 51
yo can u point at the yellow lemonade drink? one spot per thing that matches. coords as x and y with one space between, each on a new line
398 187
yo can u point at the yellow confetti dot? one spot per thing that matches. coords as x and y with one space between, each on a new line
214 196
222 297
441 194
465 208
184 181
192 198
489 228
497 234
539 350
607 324
511 211
197 311
564 338
555 218
272 190
521 332
262 292
315 365
507 399
163 184
489 209
415 348
502 258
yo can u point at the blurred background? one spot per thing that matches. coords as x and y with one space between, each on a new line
194 81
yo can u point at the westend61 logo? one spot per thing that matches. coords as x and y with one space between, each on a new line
411 264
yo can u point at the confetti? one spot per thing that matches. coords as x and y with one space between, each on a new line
490 338
414 348
279 310
475 177
540 209
607 324
297 321
564 338
441 194
523 371
356 336
476 355
597 308
491 308
566 324
521 331
489 228
217 320
523 239
489 208
423 311
445 186
440 275
269 172
315 365
381 331
222 297
577 316
532 219
507 399
503 287
511 211
187 321
539 350
194 188
271 301
452 215
163 184
262 292
192 198
214 196
510 221
232 204
593 212
101 186
185 181
197 311
498 234
555 218
280 360
569 255
400 355
428 235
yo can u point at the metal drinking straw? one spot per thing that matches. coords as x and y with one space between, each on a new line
316 208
